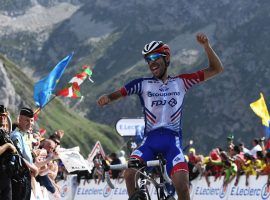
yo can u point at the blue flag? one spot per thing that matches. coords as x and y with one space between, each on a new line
267 130
44 88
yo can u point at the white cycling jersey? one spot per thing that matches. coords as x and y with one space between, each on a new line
162 102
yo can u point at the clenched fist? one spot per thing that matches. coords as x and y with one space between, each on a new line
103 100
202 39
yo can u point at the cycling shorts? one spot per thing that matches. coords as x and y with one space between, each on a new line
166 142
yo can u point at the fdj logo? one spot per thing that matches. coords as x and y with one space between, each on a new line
158 103
172 102
265 192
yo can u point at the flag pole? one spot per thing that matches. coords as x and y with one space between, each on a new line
39 108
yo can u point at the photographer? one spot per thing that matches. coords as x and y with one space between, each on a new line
6 149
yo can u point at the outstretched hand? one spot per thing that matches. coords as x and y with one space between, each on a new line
103 100
202 39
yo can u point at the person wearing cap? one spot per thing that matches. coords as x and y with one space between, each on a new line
5 149
25 123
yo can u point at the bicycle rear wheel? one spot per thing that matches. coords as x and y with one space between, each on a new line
139 195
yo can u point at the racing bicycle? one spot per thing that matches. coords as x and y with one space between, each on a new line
143 178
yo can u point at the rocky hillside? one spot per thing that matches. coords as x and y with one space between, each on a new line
112 34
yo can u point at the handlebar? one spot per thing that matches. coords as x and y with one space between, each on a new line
137 164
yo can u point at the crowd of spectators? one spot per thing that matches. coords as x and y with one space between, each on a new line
38 153
234 162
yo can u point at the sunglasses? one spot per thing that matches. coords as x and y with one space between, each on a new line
153 57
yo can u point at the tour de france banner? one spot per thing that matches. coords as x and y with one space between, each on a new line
90 189
73 160
68 187
256 190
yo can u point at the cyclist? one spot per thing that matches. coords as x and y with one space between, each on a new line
162 98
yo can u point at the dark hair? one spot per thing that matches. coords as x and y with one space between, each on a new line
259 154
220 149
55 138
256 140
241 144
3 109
248 156
236 149
113 155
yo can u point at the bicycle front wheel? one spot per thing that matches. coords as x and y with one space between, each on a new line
170 198
139 195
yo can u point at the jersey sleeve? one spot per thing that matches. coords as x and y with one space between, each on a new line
192 79
133 87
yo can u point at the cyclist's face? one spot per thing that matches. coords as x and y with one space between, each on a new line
158 67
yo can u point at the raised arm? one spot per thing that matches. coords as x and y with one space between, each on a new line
107 98
215 66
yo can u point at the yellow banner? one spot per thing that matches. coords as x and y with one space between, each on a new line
260 109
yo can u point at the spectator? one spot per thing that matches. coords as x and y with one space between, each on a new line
229 166
243 148
56 138
259 163
256 147
210 169
230 144
36 140
115 160
239 160
249 166
262 144
97 170
131 145
267 145
193 157
18 136
46 155
122 157
6 149
266 168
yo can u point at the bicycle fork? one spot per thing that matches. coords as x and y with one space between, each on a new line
143 187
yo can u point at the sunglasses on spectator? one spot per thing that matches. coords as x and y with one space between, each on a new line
153 57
